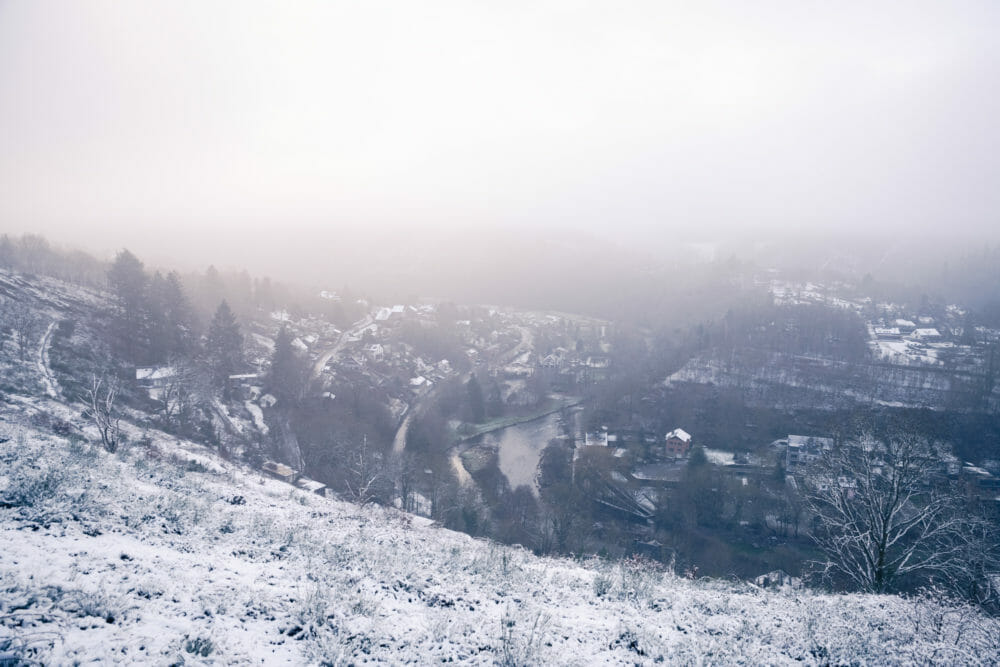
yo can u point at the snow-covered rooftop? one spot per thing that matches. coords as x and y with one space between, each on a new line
155 373
680 434
927 333
809 441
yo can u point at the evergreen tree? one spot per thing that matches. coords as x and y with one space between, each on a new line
179 315
697 457
127 281
159 343
224 346
211 290
288 371
170 318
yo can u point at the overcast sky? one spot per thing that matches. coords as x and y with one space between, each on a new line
124 123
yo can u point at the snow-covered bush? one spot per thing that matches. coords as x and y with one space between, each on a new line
312 611
96 602
602 584
32 483
199 646
521 638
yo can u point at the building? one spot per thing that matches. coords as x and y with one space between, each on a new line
155 380
280 471
927 334
312 486
154 376
892 333
677 443
804 449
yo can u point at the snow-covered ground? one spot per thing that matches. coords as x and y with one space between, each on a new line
164 553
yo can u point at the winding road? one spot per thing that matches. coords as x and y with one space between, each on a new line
325 356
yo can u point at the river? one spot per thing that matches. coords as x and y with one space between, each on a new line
519 448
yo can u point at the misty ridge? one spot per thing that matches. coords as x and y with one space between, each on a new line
662 277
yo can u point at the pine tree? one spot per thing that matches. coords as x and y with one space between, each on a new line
287 375
224 346
170 318
179 315
159 343
127 280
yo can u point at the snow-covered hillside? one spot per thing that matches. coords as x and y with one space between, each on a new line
165 554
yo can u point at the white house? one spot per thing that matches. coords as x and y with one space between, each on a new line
927 334
154 376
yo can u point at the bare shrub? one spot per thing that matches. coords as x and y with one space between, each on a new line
103 395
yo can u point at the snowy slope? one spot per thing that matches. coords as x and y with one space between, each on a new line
164 554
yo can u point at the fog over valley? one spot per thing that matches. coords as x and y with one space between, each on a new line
157 125
524 333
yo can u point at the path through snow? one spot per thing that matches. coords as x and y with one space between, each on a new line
48 378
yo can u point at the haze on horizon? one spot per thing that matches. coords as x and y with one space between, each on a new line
210 131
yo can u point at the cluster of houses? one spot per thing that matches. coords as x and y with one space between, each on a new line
661 464
904 341
897 335
800 451
929 340
632 485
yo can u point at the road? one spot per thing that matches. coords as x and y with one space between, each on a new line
419 404
526 344
325 356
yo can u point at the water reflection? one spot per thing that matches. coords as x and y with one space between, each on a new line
519 449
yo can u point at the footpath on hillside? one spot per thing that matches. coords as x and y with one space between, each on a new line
48 377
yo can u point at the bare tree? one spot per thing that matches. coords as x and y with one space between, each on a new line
24 324
883 511
405 472
365 473
975 575
181 384
103 395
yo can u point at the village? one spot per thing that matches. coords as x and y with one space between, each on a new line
530 368
932 335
